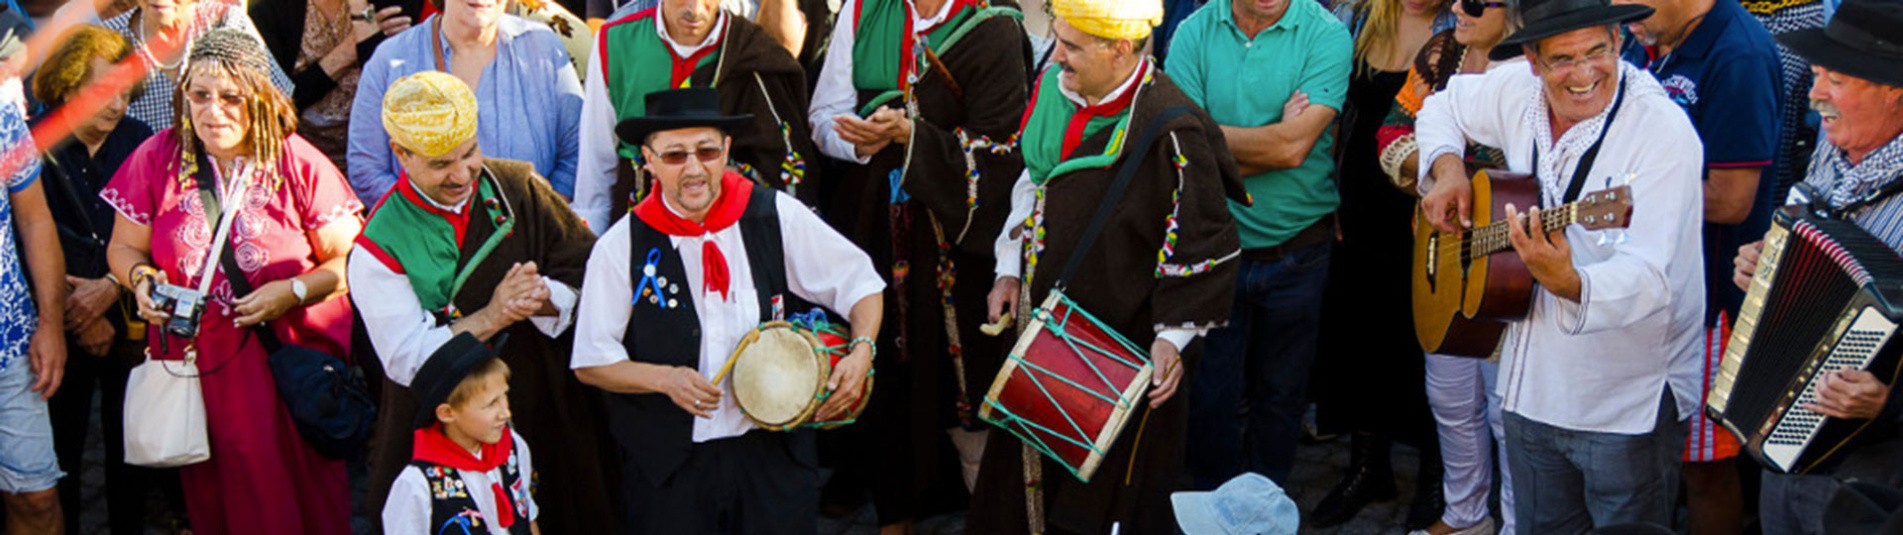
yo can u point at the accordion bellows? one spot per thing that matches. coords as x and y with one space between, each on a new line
1827 296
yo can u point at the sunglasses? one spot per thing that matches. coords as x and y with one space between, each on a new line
1474 8
678 157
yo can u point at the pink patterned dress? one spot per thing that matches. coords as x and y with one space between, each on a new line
262 476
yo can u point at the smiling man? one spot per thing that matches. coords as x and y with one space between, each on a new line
469 244
1854 176
1600 376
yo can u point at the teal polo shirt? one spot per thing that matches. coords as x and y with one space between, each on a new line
1243 82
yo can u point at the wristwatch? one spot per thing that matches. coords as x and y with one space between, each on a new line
299 290
369 14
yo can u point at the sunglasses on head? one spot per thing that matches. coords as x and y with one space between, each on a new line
678 157
1476 8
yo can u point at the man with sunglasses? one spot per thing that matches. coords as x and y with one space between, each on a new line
689 43
1719 64
464 243
673 289
1599 377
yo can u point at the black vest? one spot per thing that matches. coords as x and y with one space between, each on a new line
655 435
451 506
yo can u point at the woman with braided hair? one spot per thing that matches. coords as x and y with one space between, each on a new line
292 220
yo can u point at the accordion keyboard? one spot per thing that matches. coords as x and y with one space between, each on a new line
1854 351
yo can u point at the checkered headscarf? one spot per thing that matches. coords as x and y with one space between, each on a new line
232 49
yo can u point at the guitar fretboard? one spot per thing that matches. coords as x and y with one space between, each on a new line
1493 237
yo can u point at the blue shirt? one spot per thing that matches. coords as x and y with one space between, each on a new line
17 153
529 104
1727 77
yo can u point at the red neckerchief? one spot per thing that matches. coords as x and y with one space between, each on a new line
908 47
457 220
684 67
432 446
734 192
1074 133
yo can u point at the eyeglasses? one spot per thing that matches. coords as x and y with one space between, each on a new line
1590 57
678 157
201 97
1475 8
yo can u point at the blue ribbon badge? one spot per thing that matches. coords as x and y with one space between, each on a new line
652 285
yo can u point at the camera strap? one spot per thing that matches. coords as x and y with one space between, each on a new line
207 180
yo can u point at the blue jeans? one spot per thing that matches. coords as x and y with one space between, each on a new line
27 461
1567 481
1251 386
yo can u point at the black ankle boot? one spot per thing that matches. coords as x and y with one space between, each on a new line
1430 500
1369 479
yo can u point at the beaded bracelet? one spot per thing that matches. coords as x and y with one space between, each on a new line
874 346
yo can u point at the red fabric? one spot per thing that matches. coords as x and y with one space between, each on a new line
264 478
458 221
908 58
734 192
1074 134
601 36
684 67
432 446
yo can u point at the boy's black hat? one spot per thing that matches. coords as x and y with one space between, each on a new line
445 369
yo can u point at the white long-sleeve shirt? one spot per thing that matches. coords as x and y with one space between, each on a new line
595 165
1598 364
403 333
822 267
835 94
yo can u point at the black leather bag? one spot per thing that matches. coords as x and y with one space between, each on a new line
328 399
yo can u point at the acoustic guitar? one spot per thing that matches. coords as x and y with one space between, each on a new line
1469 284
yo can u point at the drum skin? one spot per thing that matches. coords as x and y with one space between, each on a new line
777 377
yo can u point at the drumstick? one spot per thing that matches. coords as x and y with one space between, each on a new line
997 327
724 368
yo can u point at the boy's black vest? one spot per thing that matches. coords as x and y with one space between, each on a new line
452 511
656 436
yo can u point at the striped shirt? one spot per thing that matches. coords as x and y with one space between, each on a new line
1834 178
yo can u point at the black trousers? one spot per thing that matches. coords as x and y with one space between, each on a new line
747 484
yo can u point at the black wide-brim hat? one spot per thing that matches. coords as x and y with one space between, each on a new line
676 109
1864 39
1547 18
445 369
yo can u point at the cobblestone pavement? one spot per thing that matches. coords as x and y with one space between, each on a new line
1318 468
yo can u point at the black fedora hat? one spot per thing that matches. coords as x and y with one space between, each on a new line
1864 39
445 369
679 108
1547 18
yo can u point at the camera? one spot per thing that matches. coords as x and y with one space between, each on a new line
182 306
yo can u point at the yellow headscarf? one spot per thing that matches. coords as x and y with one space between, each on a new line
1111 19
429 112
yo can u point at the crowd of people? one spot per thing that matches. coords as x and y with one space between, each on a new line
545 231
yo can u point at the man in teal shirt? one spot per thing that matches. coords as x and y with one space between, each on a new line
1274 74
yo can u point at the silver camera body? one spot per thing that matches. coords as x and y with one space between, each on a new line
183 307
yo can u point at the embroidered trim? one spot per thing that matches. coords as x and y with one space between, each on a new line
1165 268
970 147
793 166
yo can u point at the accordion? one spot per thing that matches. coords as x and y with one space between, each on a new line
1827 296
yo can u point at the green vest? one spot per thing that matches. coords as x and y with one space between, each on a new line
878 47
639 57
420 242
1049 123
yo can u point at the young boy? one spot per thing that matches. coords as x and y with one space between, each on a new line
470 473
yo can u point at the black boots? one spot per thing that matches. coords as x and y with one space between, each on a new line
1369 479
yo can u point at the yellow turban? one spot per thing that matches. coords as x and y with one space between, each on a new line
429 112
1111 19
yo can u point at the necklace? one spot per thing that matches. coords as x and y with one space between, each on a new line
1684 32
146 52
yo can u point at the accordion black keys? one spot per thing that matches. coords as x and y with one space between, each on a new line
1827 296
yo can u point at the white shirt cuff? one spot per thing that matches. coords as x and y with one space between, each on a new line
564 299
1178 336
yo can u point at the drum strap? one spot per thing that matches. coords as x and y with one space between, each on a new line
1115 194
